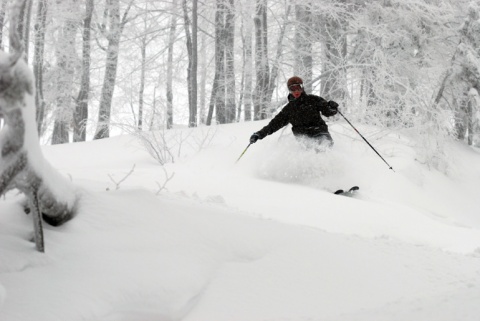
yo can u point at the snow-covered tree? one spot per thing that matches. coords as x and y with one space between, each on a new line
396 48
464 82
22 165
389 62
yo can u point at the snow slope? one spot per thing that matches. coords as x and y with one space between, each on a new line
260 239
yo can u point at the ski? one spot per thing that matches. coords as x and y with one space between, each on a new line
350 192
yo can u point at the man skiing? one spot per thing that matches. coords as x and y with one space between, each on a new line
303 112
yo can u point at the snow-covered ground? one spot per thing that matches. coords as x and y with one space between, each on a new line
260 239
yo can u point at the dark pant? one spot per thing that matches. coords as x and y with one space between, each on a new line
324 139
319 142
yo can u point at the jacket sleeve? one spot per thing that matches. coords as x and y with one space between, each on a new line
279 121
322 105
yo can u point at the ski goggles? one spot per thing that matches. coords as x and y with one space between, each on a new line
295 87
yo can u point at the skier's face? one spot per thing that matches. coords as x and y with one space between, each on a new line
296 90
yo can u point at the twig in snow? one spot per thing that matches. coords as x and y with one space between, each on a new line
167 179
117 184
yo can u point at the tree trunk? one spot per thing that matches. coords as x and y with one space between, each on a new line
460 117
470 119
111 65
194 71
230 62
247 66
26 27
217 100
169 80
38 57
3 8
261 61
22 25
143 51
103 125
66 57
81 109
192 61
211 105
203 80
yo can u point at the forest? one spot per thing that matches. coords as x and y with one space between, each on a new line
107 67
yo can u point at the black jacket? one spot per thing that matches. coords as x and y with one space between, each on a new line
304 115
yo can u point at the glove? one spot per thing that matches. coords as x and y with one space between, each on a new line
254 138
332 108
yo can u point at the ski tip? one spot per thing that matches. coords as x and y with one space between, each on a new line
350 191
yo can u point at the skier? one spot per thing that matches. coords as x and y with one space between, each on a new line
303 112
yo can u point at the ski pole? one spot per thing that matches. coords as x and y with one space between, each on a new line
243 153
366 141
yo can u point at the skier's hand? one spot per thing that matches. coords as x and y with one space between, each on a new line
332 108
254 138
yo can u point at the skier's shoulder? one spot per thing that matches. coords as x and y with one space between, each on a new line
315 98
305 99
